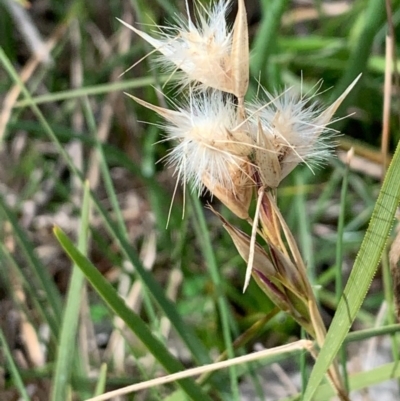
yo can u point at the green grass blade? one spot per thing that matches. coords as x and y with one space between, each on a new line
69 326
13 368
90 91
40 272
361 276
131 319
365 334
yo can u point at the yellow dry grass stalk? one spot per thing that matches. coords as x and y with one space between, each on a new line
300 345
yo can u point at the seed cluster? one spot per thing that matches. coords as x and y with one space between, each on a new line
222 142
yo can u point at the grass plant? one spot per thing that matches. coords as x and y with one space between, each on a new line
115 294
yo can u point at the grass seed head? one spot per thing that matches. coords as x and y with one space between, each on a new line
292 129
203 51
211 149
236 200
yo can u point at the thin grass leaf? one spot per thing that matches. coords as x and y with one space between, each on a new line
69 327
362 335
13 368
89 91
131 319
362 274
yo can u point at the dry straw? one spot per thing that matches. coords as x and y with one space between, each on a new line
240 151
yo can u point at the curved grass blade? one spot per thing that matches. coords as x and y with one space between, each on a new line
131 319
361 276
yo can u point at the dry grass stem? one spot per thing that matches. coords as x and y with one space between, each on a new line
300 345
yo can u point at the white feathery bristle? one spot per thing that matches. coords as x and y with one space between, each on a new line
209 142
295 129
202 50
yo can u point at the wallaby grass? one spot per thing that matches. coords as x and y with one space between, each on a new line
182 284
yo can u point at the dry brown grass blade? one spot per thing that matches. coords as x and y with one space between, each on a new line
300 345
